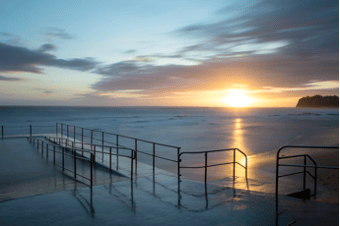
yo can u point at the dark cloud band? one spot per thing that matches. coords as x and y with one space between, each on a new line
20 59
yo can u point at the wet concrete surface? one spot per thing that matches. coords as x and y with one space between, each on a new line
26 171
158 199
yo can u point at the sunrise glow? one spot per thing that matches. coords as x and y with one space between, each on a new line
238 98
168 53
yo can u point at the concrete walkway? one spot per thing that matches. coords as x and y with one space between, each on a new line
26 171
147 200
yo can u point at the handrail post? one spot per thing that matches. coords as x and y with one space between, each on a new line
56 130
117 151
75 164
179 179
304 172
82 139
153 157
178 166
94 155
132 165
74 133
102 146
47 151
136 156
234 157
53 154
91 139
63 159
110 159
91 168
205 170
30 130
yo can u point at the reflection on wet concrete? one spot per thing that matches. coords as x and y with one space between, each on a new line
124 198
26 171
158 199
87 203
153 200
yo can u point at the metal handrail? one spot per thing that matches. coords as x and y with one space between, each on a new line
19 127
206 161
78 142
120 147
63 158
90 137
133 138
278 157
117 142
304 169
74 149
103 152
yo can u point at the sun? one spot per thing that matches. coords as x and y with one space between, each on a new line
237 98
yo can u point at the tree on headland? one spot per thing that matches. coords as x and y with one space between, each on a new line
319 101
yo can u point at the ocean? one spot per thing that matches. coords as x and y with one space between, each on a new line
252 130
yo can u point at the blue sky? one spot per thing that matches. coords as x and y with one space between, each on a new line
167 53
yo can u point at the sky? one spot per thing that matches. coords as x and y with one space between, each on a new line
265 53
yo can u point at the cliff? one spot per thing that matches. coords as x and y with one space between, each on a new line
318 101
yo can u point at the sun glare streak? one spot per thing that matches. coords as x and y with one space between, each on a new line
238 137
237 98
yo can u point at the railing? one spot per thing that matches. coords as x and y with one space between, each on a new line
64 152
115 139
206 161
5 129
84 137
304 170
305 166
73 145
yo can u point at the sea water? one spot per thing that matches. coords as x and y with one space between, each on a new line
252 130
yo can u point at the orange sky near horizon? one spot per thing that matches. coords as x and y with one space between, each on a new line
168 53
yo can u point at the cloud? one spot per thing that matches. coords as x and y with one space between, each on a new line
47 47
20 59
85 64
54 32
123 94
130 51
267 44
14 79
45 92
10 39
324 85
48 92
119 69
218 74
5 34
307 28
